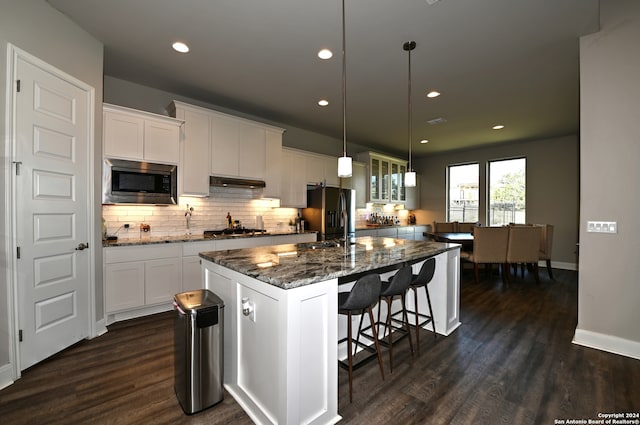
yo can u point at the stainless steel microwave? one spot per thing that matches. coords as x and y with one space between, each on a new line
133 182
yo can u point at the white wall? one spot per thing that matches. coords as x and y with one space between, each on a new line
35 27
609 293
552 187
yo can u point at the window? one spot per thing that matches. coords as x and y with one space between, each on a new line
507 190
463 193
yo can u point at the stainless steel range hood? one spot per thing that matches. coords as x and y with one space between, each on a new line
217 181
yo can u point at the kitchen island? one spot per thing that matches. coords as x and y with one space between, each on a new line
282 324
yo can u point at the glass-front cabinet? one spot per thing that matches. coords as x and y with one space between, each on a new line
386 178
374 168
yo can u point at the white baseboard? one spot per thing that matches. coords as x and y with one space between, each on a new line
610 343
138 312
6 376
100 328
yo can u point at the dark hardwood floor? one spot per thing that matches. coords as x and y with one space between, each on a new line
511 362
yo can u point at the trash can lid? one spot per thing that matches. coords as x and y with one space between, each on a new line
197 300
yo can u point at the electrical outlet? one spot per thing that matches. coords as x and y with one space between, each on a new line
602 227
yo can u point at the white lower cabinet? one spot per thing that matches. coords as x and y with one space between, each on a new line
191 265
400 232
387 232
142 279
139 276
124 286
162 280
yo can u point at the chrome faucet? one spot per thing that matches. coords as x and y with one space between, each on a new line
187 215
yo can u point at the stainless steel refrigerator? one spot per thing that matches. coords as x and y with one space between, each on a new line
328 210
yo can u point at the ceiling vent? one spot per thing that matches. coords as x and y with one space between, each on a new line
436 121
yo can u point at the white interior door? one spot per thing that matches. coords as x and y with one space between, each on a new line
51 212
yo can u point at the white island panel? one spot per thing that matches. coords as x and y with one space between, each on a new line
280 359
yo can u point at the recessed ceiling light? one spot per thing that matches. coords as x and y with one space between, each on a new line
423 141
323 102
180 47
498 127
325 54
433 94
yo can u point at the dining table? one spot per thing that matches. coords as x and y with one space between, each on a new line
463 238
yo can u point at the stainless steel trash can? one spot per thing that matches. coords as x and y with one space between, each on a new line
198 334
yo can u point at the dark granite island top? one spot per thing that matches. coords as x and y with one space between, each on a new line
293 266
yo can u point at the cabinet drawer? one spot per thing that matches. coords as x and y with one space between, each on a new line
122 254
387 233
404 230
366 232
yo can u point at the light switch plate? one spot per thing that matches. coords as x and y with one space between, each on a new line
602 227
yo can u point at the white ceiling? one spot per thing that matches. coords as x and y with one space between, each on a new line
511 62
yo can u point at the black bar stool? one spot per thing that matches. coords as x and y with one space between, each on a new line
362 297
397 286
422 279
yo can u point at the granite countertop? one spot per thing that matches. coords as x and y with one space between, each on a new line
190 238
291 266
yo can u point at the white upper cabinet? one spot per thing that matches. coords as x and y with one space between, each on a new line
194 150
140 136
293 179
225 146
386 178
238 147
358 182
321 169
252 149
218 144
273 162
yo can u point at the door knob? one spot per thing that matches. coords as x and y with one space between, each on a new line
82 246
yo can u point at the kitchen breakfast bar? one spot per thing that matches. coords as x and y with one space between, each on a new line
281 323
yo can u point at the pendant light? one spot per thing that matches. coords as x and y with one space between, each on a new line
344 162
410 175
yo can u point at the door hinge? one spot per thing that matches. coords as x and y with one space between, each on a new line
18 86
20 335
18 164
18 251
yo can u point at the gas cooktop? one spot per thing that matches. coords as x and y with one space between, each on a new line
210 234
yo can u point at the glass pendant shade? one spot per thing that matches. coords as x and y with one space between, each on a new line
410 179
345 168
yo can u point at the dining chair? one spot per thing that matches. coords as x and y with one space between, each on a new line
464 227
546 243
524 248
445 227
489 247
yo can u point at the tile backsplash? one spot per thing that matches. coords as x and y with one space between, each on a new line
208 214
211 214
